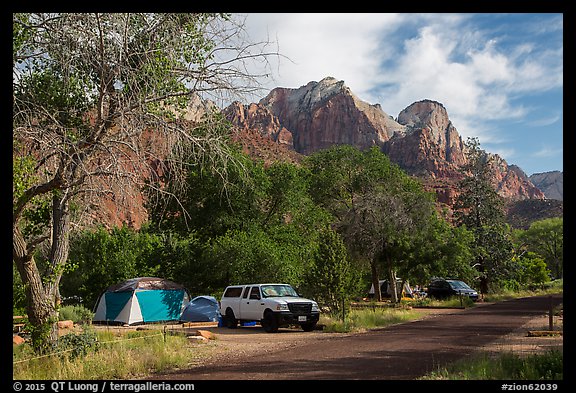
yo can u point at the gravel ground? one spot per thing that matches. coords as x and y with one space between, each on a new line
252 342
246 341
521 343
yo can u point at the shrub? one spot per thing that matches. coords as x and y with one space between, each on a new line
78 344
77 314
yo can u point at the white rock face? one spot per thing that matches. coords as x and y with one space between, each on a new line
321 114
313 94
551 183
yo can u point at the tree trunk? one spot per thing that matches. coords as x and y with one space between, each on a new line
40 310
42 293
60 246
375 280
392 280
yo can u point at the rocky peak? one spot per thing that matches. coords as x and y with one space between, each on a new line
325 113
426 114
431 146
423 141
316 93
434 149
551 184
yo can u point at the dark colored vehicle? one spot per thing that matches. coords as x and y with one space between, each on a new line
442 289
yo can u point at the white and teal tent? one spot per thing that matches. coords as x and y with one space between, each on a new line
142 300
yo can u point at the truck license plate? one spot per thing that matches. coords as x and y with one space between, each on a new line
302 318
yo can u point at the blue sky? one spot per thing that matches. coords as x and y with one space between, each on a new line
499 76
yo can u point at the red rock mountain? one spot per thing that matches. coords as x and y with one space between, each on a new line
322 114
289 123
422 140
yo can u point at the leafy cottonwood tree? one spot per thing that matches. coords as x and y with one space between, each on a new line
90 93
441 250
384 222
480 209
546 238
376 205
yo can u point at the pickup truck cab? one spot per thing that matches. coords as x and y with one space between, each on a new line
273 305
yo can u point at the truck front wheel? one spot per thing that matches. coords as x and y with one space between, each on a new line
269 322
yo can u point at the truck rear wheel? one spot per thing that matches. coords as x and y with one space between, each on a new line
308 327
230 320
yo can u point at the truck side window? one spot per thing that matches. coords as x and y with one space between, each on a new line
233 292
255 294
245 294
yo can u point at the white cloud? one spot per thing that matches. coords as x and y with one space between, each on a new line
547 151
546 121
443 59
344 46
490 66
480 73
474 84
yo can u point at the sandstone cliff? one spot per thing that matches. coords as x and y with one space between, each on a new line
423 140
260 133
257 118
433 149
326 113
431 146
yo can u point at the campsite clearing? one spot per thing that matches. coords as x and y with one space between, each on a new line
439 337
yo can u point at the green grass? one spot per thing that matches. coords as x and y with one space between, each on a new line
363 319
117 357
506 366
451 302
550 288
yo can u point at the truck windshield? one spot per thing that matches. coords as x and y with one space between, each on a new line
278 290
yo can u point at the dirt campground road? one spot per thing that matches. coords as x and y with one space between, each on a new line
400 352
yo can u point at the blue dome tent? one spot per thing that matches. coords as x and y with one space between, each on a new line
201 309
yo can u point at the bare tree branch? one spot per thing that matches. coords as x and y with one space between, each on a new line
99 106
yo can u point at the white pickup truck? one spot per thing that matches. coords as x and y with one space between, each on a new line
273 305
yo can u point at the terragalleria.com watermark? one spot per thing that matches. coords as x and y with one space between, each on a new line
100 387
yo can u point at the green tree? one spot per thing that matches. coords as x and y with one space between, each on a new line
246 256
546 238
532 269
442 250
121 254
258 221
88 91
208 202
376 205
272 228
331 279
481 210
